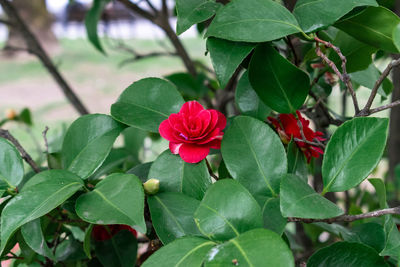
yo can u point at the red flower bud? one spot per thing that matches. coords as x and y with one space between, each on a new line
193 131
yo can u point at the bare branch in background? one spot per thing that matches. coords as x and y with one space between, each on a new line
6 134
7 22
36 48
349 218
344 77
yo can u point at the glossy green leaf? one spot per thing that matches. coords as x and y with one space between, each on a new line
190 12
118 199
134 141
272 75
146 103
346 254
25 116
226 56
33 236
370 234
358 54
354 150
187 251
259 247
297 197
189 86
272 215
248 101
297 163
141 171
55 186
119 251
396 36
373 26
227 210
380 189
253 21
87 241
368 78
313 15
91 20
88 142
246 148
172 215
113 163
175 175
11 167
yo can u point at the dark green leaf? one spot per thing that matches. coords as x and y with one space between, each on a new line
119 251
370 234
141 171
297 163
146 103
353 152
33 236
187 251
246 148
189 86
272 216
134 141
11 167
346 254
373 26
272 75
227 210
297 197
41 194
253 21
25 116
396 36
248 101
87 143
226 56
87 241
175 175
313 15
358 54
70 250
91 19
118 199
259 247
172 215
190 12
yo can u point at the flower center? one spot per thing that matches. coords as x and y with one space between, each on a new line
184 136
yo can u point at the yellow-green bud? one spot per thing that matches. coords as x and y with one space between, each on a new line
152 186
11 114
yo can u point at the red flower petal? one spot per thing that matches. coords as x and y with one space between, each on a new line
192 153
174 147
166 131
191 108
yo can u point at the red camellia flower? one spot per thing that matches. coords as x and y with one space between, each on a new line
193 131
288 128
101 233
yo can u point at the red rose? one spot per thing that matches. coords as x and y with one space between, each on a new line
105 232
193 131
288 128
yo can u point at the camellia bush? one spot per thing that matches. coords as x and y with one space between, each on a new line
258 154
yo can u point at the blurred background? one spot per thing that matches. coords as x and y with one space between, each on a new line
96 78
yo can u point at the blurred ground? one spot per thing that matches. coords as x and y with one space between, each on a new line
97 79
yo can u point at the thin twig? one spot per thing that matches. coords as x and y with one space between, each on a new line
138 57
210 171
152 6
344 77
391 105
46 144
34 45
349 218
309 142
295 57
6 134
366 110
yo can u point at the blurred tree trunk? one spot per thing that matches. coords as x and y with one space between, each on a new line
394 131
39 20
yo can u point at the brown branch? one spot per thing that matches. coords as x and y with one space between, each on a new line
344 77
137 57
367 109
210 171
162 21
349 218
309 142
378 109
46 143
6 134
151 6
7 22
33 44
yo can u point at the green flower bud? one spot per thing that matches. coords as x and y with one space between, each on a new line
152 186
